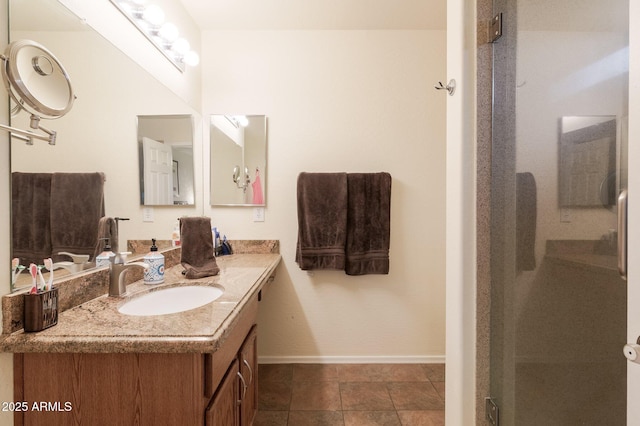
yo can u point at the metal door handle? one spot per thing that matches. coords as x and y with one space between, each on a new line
622 234
244 387
250 370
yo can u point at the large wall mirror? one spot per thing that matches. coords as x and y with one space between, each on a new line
165 146
99 133
238 160
588 161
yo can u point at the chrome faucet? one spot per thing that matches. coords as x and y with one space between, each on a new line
117 271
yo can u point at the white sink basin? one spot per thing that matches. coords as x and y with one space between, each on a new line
170 300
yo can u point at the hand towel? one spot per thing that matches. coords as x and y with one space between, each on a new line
30 220
256 186
107 228
368 223
197 248
77 204
526 206
322 220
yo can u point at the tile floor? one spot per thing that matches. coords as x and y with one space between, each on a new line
350 394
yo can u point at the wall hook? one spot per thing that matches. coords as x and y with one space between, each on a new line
451 87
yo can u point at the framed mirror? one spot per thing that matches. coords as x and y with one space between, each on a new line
98 135
165 147
587 165
238 160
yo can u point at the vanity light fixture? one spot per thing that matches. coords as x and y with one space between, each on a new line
238 120
165 36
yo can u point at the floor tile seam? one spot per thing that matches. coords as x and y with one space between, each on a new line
358 381
332 411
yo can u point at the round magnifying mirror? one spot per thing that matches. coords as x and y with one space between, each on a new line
35 79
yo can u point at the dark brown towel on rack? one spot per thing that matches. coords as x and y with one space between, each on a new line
322 220
30 220
77 204
526 201
197 248
368 223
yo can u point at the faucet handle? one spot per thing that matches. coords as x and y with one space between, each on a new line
77 258
122 257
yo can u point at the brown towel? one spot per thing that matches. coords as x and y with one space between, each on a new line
77 204
526 209
30 220
368 223
197 248
322 220
107 228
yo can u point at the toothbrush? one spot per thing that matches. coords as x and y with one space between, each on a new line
34 272
43 286
48 263
16 269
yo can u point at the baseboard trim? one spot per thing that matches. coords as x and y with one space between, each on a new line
427 359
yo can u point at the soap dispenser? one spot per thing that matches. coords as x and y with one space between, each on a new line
107 257
154 274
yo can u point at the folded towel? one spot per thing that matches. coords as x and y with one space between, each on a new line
368 223
197 248
525 222
77 204
107 228
30 220
322 220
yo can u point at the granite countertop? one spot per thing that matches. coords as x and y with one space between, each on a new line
97 326
594 254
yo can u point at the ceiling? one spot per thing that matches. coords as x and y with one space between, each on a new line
317 14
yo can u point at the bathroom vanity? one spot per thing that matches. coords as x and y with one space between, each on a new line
196 367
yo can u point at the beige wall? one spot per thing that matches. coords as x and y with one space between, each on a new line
343 101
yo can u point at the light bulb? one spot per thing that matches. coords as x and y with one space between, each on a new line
242 120
127 7
181 46
153 15
191 58
168 32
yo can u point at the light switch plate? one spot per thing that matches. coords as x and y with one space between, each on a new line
147 214
258 214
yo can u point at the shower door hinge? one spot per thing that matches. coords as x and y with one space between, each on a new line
492 412
495 28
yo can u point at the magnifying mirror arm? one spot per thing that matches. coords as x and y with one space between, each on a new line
28 136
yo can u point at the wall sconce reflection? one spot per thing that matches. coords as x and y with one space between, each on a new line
241 182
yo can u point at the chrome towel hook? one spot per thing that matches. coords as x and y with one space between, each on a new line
450 87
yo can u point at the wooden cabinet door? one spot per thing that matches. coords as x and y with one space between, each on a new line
248 359
119 389
223 409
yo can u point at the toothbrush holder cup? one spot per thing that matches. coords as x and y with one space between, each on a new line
40 310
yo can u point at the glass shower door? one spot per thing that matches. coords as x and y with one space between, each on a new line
559 154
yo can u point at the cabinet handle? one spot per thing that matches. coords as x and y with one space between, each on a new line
250 370
244 388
